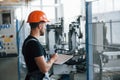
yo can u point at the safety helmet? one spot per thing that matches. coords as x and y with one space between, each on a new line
37 16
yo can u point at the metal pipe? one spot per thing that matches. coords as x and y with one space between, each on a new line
111 32
89 48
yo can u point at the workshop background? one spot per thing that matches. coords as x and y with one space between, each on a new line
89 30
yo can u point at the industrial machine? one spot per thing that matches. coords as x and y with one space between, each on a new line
8 43
8 46
56 41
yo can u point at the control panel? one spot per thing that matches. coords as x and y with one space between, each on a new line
8 43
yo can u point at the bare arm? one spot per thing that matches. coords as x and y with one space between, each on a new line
43 65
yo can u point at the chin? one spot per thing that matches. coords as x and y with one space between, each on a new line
41 34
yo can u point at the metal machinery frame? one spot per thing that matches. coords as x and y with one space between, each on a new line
56 42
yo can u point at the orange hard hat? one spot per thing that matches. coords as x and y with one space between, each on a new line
37 16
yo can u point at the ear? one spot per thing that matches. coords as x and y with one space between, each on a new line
40 26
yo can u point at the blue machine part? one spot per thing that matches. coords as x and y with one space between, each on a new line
4 26
1 45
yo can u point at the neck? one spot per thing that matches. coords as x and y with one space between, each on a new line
35 33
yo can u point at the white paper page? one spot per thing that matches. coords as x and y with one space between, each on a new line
62 58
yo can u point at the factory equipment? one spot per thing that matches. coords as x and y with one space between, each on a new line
8 43
56 41
105 55
74 35
55 38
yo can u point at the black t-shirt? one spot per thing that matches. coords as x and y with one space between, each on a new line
32 48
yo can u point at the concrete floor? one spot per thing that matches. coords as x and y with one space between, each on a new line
111 70
76 76
8 69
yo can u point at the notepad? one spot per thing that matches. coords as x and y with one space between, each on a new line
62 58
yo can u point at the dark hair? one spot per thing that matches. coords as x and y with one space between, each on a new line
34 25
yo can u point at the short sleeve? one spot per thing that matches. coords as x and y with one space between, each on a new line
35 48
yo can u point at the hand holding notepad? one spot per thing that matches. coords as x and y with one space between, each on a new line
62 58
